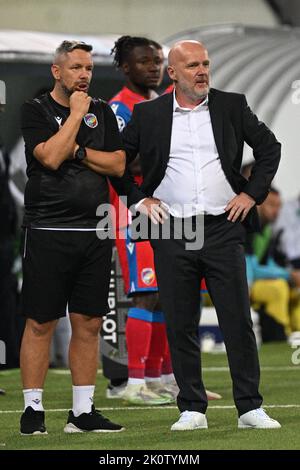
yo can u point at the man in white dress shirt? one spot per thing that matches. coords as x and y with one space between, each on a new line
190 146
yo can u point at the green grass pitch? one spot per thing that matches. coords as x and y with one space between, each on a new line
149 428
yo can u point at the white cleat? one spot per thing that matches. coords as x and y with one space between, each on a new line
257 419
140 394
115 392
174 389
190 420
161 389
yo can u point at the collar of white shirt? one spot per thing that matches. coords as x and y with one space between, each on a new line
178 108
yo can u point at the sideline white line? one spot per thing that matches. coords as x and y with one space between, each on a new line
263 368
204 369
134 408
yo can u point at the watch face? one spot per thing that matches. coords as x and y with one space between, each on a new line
81 153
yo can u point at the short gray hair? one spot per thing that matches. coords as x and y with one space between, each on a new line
69 46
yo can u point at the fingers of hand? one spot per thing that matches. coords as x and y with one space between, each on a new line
245 213
229 206
80 99
235 213
154 210
157 214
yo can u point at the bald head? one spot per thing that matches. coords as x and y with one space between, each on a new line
181 48
188 67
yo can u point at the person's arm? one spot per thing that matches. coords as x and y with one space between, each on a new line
131 136
136 200
111 160
126 185
266 152
60 146
239 207
106 163
122 113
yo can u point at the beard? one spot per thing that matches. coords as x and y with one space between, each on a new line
67 91
193 93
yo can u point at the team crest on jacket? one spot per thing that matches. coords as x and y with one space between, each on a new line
148 276
91 120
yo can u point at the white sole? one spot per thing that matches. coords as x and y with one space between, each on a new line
246 426
35 433
193 429
114 398
128 402
71 429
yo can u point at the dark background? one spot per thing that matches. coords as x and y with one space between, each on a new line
24 79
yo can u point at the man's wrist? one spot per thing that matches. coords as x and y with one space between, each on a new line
77 115
80 153
76 147
248 196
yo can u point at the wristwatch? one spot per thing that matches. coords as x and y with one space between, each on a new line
80 154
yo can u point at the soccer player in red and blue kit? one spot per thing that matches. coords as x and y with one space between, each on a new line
141 60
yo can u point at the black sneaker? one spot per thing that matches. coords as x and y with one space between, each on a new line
90 422
32 422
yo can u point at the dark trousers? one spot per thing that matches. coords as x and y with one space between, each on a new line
221 262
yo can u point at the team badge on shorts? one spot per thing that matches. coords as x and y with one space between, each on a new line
121 122
148 276
91 120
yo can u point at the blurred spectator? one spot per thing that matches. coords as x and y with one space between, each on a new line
141 61
17 170
288 227
274 288
18 177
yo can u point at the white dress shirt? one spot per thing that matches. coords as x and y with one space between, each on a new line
194 182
